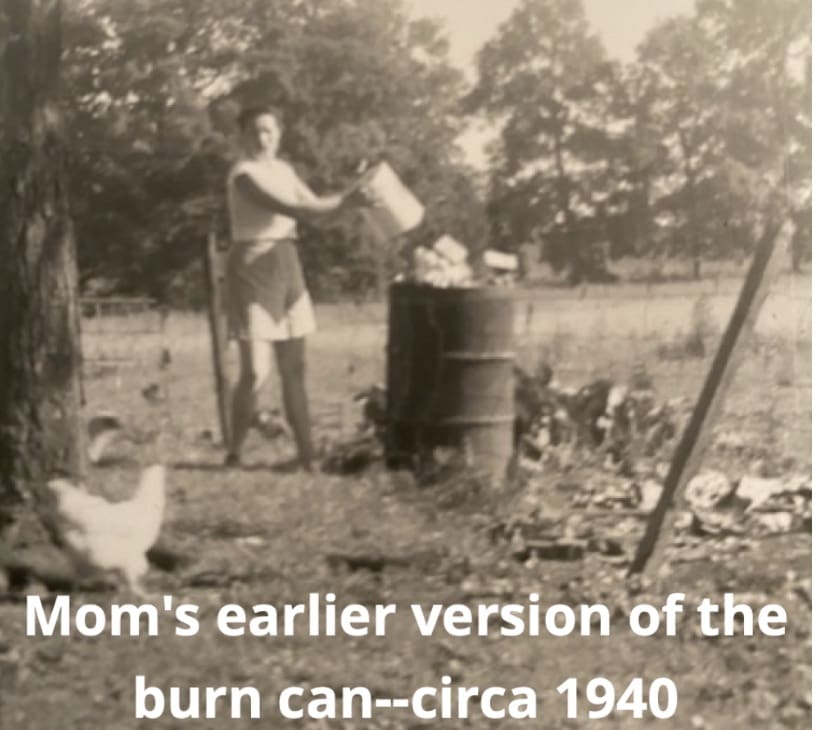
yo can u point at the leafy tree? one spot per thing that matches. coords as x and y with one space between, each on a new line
681 77
158 84
681 153
545 77
146 165
765 94
366 84
721 92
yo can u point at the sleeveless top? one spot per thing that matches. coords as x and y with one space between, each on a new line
250 221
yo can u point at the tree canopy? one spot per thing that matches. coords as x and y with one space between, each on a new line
155 88
677 153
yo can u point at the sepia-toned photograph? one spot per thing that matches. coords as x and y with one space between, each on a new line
405 364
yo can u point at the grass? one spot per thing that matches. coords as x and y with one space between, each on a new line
258 536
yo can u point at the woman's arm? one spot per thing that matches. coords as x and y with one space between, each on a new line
285 199
318 204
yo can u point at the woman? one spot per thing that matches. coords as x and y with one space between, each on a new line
268 304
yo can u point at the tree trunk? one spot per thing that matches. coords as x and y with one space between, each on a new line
40 358
696 247
690 195
572 244
800 241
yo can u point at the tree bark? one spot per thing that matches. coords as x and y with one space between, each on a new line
40 357
573 246
696 248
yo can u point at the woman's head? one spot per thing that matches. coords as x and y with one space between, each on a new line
261 129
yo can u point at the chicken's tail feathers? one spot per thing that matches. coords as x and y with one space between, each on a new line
47 508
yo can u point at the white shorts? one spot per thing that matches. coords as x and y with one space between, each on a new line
298 321
266 296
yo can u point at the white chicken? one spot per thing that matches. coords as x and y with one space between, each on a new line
112 536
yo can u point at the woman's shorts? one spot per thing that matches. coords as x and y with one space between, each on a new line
266 296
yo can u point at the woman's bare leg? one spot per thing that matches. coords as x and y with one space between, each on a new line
255 358
291 359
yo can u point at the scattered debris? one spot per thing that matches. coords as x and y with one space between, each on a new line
755 505
772 522
153 393
366 446
759 491
649 493
455 484
353 456
227 576
255 541
730 440
613 419
706 490
624 421
207 435
374 407
550 550
165 558
612 437
165 359
376 561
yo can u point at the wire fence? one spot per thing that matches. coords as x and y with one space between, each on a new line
667 334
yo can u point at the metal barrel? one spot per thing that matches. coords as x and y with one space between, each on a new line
450 374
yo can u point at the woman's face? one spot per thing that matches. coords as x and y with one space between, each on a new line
262 136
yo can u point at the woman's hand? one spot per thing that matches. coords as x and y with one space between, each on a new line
358 197
334 202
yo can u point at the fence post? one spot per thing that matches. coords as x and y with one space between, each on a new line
218 335
689 451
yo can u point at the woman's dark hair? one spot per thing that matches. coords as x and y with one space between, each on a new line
251 113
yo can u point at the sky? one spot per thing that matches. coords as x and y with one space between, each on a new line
621 24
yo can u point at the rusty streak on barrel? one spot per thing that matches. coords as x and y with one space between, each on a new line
450 373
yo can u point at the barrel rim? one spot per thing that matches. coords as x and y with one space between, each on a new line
473 356
483 293
492 420
464 355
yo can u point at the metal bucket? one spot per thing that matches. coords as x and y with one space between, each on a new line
450 374
395 210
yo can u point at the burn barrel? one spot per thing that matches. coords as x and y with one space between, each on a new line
449 373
